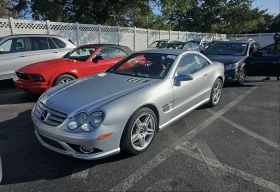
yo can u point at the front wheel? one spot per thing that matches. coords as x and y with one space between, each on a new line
216 93
63 79
139 131
242 77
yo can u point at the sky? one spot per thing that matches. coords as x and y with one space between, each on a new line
273 6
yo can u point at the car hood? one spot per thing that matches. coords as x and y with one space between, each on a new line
226 59
40 67
93 92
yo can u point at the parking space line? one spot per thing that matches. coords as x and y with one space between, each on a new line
252 134
158 159
140 173
214 117
77 174
229 169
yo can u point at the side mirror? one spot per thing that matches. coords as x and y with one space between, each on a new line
97 58
2 51
179 78
258 54
202 51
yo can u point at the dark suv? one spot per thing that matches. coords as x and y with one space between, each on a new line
232 54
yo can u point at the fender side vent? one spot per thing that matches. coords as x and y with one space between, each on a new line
137 80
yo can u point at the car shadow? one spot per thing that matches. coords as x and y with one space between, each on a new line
24 159
10 94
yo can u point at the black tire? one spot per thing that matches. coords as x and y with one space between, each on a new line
240 82
62 77
126 143
211 102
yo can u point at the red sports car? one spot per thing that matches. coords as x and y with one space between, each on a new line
82 61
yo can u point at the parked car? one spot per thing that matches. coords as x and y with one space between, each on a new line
200 42
206 45
162 43
182 45
265 62
233 55
124 107
244 39
82 61
19 50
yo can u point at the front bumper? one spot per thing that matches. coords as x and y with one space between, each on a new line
231 75
32 87
65 141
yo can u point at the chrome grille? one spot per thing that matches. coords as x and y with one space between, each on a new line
54 118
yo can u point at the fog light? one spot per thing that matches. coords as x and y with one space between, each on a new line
86 149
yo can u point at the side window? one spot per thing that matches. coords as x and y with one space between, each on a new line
14 45
202 62
108 53
51 44
273 49
59 43
189 64
6 46
38 43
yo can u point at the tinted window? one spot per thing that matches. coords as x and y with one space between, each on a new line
191 63
150 65
38 43
108 53
80 54
59 43
273 49
51 44
238 49
174 46
14 45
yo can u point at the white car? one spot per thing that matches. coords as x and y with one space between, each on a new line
17 51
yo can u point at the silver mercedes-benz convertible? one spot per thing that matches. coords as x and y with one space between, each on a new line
124 107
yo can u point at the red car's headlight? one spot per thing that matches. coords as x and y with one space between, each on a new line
37 77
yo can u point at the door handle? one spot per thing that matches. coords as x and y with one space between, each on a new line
205 76
22 56
55 52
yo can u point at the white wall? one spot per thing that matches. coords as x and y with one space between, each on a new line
81 34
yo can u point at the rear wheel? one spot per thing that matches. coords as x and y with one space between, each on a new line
216 93
139 131
63 79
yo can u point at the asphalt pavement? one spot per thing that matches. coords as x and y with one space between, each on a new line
232 147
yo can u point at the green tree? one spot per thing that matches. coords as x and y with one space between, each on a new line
275 24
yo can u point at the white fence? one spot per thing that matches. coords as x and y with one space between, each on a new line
135 38
263 38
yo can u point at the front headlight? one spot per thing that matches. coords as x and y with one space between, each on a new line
37 77
86 122
231 66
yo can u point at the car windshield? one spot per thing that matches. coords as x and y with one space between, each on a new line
174 46
197 42
157 44
147 65
238 49
80 54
